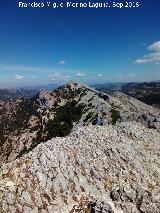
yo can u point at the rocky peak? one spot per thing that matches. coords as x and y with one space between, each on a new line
75 85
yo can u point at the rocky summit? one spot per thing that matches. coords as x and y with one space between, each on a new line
76 149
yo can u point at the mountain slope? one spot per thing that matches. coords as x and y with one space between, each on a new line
147 92
27 122
95 169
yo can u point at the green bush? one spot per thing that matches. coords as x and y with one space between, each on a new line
89 116
114 115
62 124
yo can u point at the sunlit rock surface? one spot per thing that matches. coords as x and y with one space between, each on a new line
100 169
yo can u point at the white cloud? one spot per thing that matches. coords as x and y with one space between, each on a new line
99 75
59 77
155 47
132 75
81 74
150 58
19 77
153 57
56 74
61 62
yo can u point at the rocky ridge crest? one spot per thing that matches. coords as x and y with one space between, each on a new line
112 168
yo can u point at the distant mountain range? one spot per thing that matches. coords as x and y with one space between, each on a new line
28 92
147 92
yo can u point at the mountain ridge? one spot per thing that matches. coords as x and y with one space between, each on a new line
147 92
27 122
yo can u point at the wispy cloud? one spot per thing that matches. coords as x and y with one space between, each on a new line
132 75
153 57
22 68
81 74
59 77
61 62
19 77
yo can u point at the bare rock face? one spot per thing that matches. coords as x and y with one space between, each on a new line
112 168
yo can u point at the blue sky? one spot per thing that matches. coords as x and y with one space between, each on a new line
42 46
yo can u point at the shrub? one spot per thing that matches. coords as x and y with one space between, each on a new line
114 115
62 124
89 116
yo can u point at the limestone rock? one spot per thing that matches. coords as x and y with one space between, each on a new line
112 168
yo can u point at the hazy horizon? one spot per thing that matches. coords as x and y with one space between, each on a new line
32 86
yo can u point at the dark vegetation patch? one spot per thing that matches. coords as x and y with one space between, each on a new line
88 117
34 128
2 139
104 114
62 124
105 97
151 99
114 115
23 152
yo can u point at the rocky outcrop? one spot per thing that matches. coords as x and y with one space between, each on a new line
112 168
